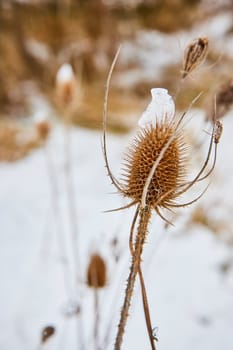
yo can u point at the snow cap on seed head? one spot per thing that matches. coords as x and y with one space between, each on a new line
65 73
161 105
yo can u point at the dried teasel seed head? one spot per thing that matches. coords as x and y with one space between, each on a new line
140 158
65 85
218 131
47 332
195 54
96 272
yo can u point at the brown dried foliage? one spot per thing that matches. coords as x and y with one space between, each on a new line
224 99
96 272
66 92
17 142
43 129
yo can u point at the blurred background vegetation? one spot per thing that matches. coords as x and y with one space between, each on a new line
38 36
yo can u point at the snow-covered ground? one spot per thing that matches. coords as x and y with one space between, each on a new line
191 301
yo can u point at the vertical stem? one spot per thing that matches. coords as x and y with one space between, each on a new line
96 325
146 309
142 283
145 214
72 212
71 196
59 227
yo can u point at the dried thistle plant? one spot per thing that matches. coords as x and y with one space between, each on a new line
195 54
96 279
155 176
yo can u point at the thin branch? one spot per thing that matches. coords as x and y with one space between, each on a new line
97 318
162 216
191 202
104 145
146 309
198 176
121 208
59 225
212 167
132 230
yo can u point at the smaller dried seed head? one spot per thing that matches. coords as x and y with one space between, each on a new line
43 129
47 332
217 131
96 272
66 85
195 54
140 158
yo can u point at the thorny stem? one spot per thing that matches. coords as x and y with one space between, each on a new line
143 288
121 208
104 146
144 217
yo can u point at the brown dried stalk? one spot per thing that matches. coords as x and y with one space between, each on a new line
142 283
224 101
144 217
